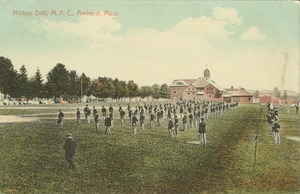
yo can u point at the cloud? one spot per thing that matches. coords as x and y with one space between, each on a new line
87 27
227 14
204 27
252 33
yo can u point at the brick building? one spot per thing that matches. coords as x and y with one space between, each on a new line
239 95
203 89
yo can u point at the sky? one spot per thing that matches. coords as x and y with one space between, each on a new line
249 44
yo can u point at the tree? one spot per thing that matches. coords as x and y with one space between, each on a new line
121 89
164 91
8 77
58 81
37 86
74 85
123 92
103 87
145 91
284 95
132 89
23 87
276 92
256 94
155 91
96 88
86 84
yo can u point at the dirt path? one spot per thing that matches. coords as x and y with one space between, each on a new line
15 119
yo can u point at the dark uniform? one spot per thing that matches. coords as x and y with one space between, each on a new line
103 110
122 115
171 128
60 120
276 128
142 121
78 116
69 147
152 120
176 122
134 124
107 123
96 120
87 113
202 131
184 120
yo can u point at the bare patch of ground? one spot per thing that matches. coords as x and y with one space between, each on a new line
295 138
14 119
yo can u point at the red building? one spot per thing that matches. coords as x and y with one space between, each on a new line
239 95
203 89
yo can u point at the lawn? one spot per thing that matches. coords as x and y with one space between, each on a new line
32 158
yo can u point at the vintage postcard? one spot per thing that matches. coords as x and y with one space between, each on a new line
154 96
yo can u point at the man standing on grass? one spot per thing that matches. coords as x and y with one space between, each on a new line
103 110
87 113
276 128
176 125
94 112
60 120
78 116
122 115
202 131
134 124
107 123
152 120
142 121
96 120
171 127
184 121
69 147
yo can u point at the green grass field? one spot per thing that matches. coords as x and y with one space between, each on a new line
32 158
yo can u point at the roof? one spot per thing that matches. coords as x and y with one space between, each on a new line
240 92
215 85
200 83
197 83
183 82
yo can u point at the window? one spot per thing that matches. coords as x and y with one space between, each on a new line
188 93
175 91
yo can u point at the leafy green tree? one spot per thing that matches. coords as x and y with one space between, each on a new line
145 91
132 89
86 85
37 86
155 91
284 95
23 87
58 81
96 88
103 87
8 77
164 91
74 85
123 89
117 86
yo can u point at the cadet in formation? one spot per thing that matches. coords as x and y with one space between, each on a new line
60 120
202 131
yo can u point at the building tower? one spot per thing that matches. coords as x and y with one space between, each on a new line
206 74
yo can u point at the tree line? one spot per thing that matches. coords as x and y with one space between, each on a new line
67 84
